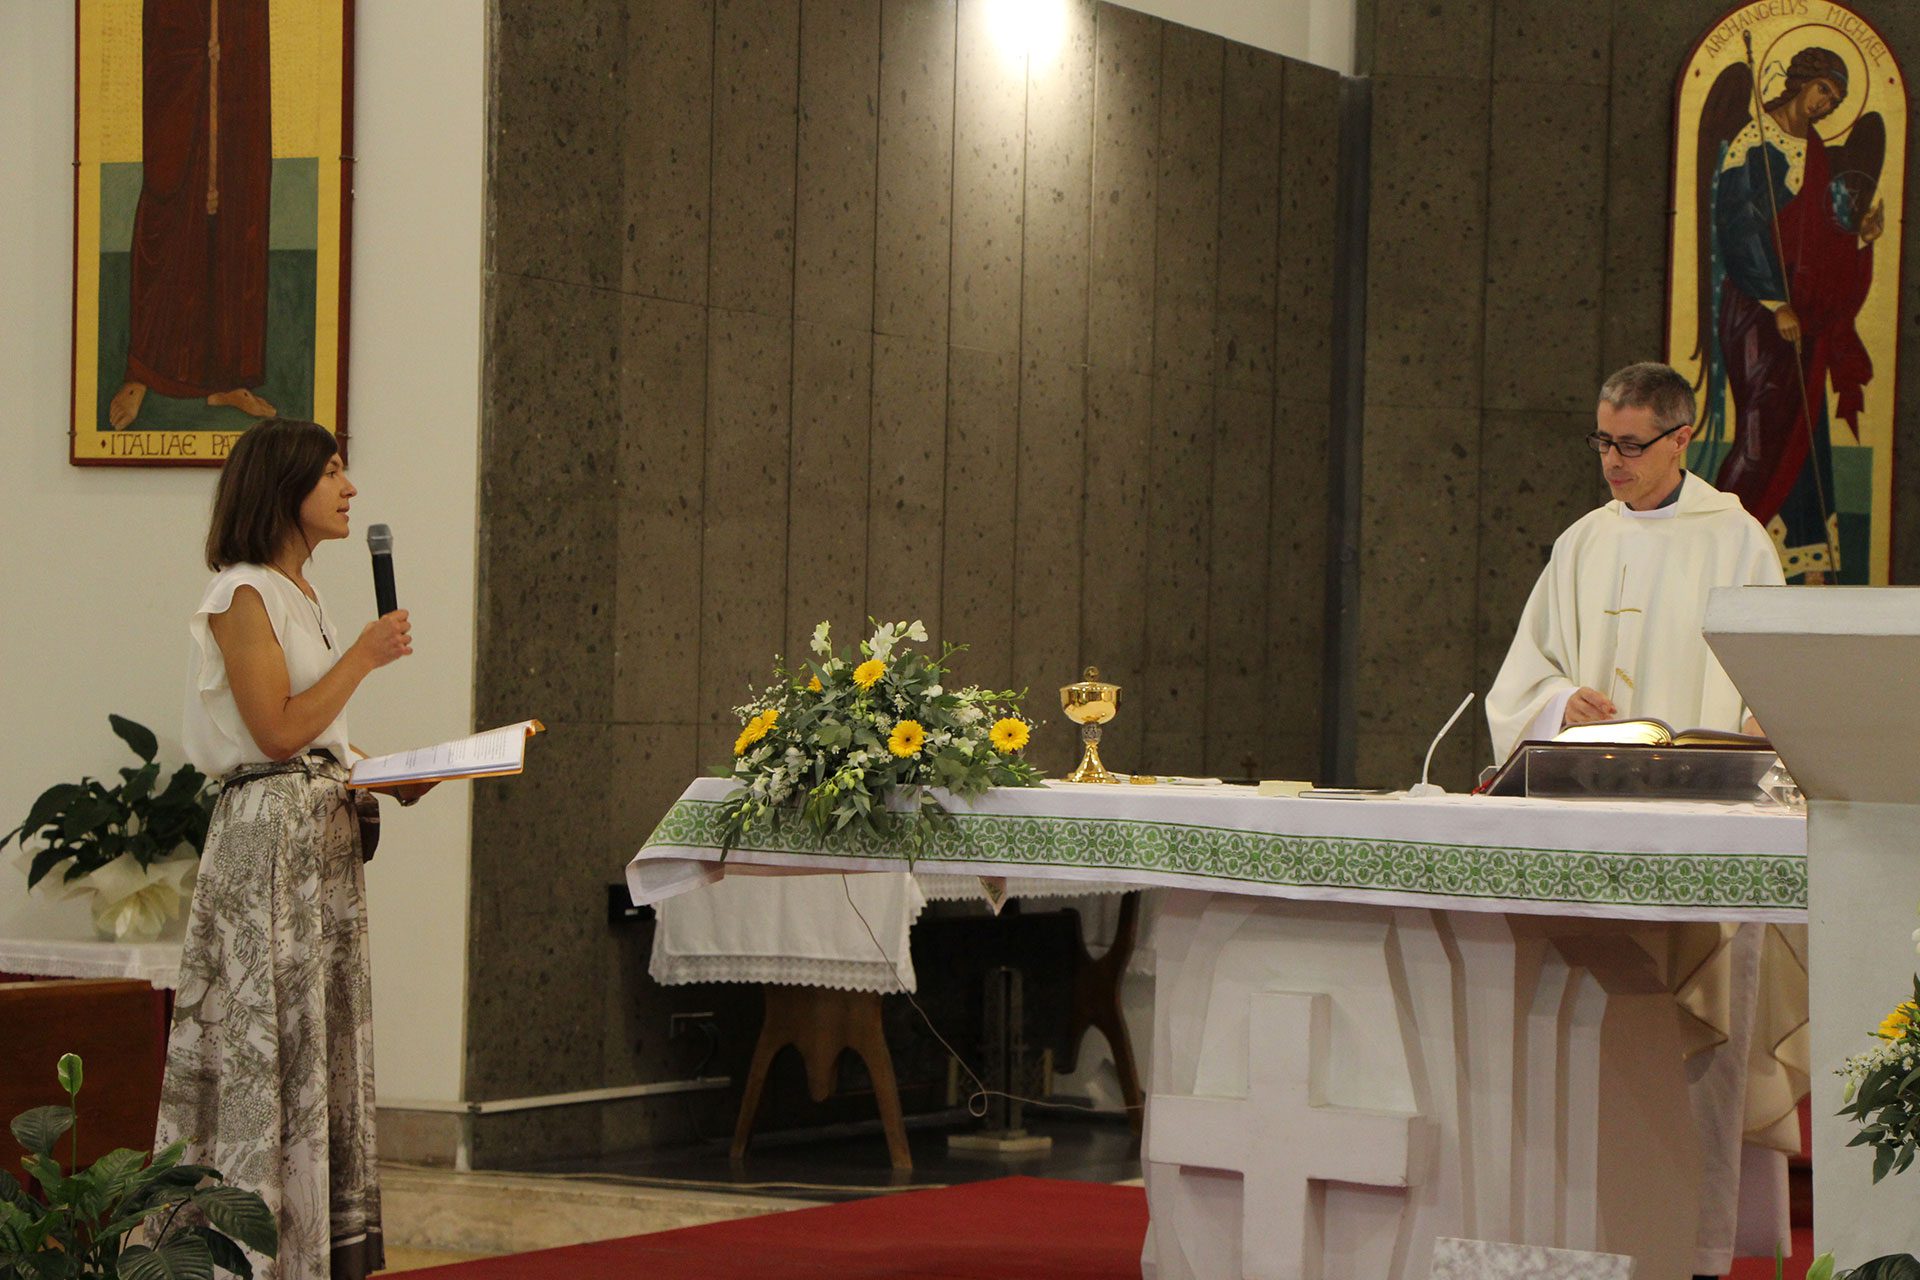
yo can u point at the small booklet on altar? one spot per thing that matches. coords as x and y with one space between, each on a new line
1655 733
492 754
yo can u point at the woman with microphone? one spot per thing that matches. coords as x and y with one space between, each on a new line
270 1063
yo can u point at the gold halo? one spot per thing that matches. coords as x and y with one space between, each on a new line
1859 73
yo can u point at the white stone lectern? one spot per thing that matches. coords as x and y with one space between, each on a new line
1833 675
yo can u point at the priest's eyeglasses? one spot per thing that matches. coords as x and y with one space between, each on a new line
1629 448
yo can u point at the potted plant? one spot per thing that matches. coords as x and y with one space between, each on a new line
1895 1266
76 1227
134 847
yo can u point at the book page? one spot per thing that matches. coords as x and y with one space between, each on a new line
487 754
1651 733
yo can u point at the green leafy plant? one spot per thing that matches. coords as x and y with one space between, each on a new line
90 824
1882 1091
1895 1266
75 1228
858 742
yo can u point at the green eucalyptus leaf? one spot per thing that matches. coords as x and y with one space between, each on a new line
38 1129
70 1072
136 736
242 1215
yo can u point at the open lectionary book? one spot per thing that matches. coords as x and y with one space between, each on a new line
1655 733
484 755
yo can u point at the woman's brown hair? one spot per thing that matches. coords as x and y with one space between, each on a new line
272 469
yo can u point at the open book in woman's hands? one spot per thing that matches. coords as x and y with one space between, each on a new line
484 755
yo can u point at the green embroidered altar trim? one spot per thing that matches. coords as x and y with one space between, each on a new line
1758 881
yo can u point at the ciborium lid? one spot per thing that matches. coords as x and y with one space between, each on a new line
1090 700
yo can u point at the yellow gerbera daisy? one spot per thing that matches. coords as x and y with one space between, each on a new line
1009 735
813 685
1898 1023
756 729
868 673
906 739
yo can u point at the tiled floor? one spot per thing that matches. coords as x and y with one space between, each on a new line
849 1162
439 1216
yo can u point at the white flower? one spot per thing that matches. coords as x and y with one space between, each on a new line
934 691
134 903
881 645
822 645
1916 941
917 632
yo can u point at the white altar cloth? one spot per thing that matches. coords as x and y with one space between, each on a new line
850 933
1468 853
157 963
1378 1022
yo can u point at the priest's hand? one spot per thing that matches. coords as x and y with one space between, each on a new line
1787 323
1588 706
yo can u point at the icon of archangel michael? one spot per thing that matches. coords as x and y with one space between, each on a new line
1786 223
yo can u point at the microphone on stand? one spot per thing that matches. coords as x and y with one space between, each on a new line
1422 787
380 544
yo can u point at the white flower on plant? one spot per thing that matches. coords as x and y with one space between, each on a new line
917 632
822 643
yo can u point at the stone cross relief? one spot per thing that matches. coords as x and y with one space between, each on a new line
1282 1137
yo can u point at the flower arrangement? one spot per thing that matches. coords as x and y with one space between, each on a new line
1882 1092
860 740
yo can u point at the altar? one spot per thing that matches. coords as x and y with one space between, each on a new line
1377 1022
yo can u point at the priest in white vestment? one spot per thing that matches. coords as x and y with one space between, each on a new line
1613 631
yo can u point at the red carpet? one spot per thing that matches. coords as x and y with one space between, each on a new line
1008 1229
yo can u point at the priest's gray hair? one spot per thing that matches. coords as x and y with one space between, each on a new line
1650 385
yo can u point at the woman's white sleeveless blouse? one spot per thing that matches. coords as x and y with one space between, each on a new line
215 737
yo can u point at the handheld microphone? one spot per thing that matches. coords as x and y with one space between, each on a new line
380 544
1423 787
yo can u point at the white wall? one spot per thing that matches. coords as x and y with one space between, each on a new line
99 567
1316 31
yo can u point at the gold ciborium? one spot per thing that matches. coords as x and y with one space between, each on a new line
1090 703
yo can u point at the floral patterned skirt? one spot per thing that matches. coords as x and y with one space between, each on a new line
270 1063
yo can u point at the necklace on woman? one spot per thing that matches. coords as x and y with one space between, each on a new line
319 619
